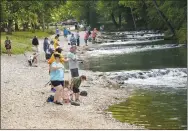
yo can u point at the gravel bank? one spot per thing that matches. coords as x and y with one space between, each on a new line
24 106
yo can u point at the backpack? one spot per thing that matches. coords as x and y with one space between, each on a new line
50 98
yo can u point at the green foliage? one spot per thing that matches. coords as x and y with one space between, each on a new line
21 41
122 13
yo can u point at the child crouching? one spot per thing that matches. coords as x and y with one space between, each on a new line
75 84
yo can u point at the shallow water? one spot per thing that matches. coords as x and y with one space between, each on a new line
159 77
163 108
151 59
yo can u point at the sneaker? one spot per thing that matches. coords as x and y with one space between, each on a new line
58 103
75 103
77 100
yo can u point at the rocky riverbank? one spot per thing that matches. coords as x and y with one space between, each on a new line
24 106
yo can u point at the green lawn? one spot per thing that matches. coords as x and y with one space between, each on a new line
21 41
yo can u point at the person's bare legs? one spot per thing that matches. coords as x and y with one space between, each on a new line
76 96
10 51
58 93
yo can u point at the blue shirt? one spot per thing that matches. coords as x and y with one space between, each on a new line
57 75
65 32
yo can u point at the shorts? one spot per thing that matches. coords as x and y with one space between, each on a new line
57 83
8 47
47 56
76 90
74 72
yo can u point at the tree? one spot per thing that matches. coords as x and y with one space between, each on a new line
164 18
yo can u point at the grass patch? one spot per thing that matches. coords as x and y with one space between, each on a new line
21 41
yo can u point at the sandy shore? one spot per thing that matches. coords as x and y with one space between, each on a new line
24 106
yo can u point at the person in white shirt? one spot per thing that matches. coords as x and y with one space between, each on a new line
77 36
68 38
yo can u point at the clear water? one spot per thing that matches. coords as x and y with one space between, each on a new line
152 59
154 108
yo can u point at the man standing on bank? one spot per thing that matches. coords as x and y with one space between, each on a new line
35 43
73 62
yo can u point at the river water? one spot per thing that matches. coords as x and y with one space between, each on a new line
158 71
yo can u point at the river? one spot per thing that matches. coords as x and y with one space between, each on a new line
156 68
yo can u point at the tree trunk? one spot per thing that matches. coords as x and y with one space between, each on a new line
164 18
27 25
16 26
145 7
43 23
10 26
120 20
47 26
33 28
113 20
133 18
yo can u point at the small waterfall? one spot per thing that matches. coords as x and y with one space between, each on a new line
171 77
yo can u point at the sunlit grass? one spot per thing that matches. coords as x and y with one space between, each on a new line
21 41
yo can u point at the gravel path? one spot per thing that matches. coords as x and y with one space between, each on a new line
24 106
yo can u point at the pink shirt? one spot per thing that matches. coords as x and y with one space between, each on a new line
94 33
86 36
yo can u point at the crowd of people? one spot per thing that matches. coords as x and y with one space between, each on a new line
65 90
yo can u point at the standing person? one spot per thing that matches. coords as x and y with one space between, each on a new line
52 58
8 46
72 40
86 36
57 32
56 43
68 39
35 42
75 84
76 26
57 79
73 62
89 30
94 34
77 38
46 48
65 32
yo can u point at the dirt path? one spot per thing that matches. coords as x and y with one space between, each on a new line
24 106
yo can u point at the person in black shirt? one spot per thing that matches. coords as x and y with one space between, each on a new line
35 42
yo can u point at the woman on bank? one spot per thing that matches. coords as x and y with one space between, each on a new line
57 78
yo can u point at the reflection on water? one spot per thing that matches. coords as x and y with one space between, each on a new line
166 58
155 109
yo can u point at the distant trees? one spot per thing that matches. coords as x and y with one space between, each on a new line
166 15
